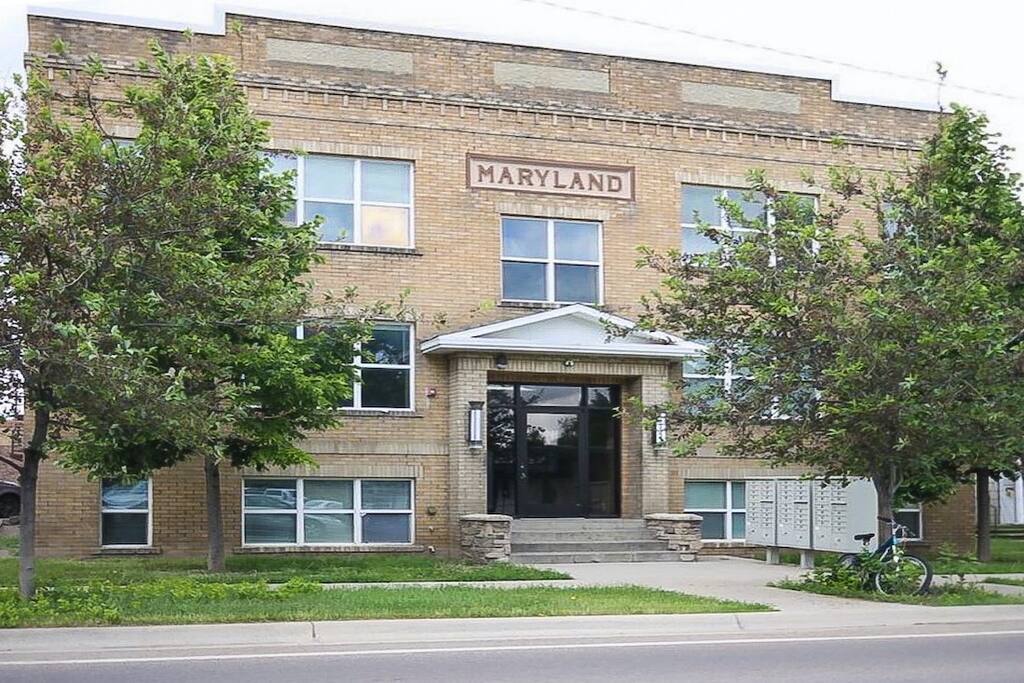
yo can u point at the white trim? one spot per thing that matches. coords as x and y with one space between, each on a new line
149 518
356 512
663 345
920 520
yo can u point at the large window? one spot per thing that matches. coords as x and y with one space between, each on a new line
699 380
550 260
327 511
384 367
126 511
361 201
701 207
722 504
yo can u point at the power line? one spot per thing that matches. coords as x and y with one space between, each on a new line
767 48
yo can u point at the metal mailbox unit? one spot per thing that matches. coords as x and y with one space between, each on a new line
809 515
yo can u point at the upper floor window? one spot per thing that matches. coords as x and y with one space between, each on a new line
701 206
125 511
558 261
384 367
361 201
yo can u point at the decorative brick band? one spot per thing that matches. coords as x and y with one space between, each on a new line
485 538
681 531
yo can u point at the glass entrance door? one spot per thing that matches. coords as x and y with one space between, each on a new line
553 450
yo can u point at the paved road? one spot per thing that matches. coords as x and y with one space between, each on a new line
978 653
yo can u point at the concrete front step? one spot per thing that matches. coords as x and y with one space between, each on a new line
564 536
580 557
631 545
575 524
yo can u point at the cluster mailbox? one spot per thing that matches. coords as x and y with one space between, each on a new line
810 514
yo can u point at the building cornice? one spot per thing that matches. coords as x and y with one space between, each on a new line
265 87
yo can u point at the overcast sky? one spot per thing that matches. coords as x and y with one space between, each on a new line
852 44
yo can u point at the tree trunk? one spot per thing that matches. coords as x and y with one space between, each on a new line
33 454
983 510
886 495
214 518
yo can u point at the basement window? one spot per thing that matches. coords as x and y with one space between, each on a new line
126 514
722 504
287 512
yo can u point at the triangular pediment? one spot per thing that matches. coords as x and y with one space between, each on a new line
575 329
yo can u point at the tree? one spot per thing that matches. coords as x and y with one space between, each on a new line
964 208
852 354
130 271
249 389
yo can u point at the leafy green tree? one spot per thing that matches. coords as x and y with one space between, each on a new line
149 289
854 354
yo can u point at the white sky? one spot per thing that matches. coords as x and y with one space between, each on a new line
979 42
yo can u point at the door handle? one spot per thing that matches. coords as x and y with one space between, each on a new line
522 471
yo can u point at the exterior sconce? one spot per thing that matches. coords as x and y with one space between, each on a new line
659 433
475 424
501 361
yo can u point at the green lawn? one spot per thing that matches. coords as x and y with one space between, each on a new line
1007 558
363 568
185 601
952 595
9 544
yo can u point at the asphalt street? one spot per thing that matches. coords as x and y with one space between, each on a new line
978 653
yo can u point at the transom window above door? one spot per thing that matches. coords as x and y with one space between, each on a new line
556 261
361 201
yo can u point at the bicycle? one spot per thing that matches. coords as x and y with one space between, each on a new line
891 569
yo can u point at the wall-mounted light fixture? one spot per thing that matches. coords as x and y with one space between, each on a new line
475 424
659 432
501 361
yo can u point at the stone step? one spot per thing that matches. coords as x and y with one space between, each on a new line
588 546
575 524
581 557
592 536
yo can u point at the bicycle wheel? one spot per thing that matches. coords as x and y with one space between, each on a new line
848 560
904 575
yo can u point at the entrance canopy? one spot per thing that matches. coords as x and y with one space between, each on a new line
576 330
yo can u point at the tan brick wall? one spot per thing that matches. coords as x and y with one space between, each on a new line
349 91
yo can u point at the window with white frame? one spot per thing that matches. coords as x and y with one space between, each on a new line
723 507
557 261
361 201
701 207
327 511
384 366
910 517
699 380
126 513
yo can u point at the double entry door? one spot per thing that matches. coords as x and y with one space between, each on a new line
553 450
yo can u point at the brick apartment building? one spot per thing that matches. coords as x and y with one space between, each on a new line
507 188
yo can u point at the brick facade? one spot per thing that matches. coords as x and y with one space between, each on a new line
431 101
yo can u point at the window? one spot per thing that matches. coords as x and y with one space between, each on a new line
125 513
910 517
550 260
384 366
361 201
697 380
326 511
722 504
700 205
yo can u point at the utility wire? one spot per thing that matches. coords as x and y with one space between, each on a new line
765 48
